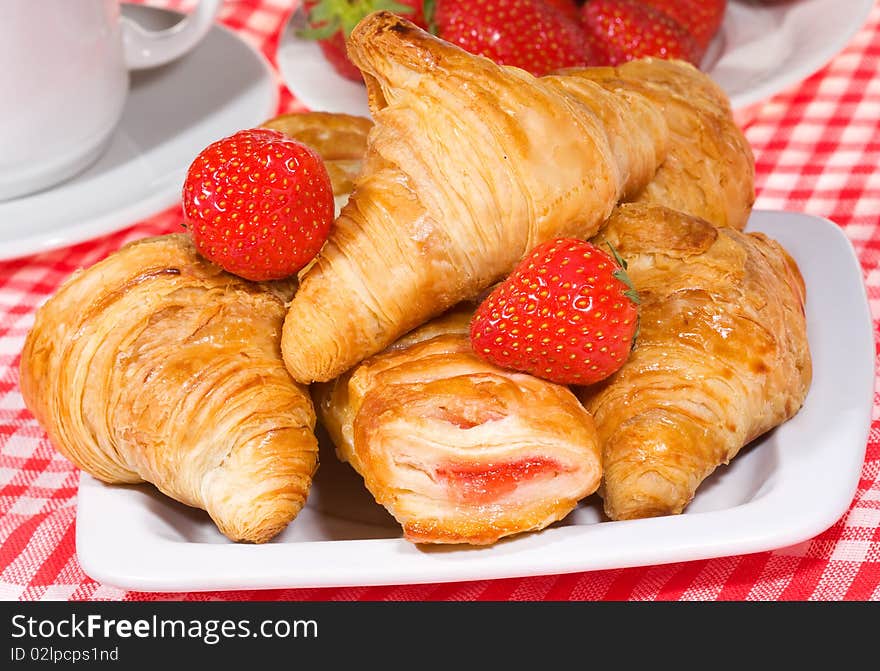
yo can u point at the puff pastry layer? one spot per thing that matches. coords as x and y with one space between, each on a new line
154 365
709 170
721 358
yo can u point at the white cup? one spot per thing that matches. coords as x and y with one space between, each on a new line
64 79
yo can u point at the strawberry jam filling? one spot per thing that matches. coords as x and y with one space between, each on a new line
483 483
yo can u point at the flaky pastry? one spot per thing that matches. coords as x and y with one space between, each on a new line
154 365
721 357
709 170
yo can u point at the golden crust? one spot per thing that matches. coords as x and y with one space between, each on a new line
458 450
340 140
709 170
468 167
154 365
722 357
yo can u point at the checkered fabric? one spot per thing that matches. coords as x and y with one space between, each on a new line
818 151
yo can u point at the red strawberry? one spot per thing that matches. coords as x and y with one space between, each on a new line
623 30
258 204
567 7
567 313
333 49
331 21
528 34
700 18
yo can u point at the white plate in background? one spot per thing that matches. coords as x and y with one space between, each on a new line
761 49
765 47
171 114
785 488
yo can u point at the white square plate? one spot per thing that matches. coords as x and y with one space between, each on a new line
786 487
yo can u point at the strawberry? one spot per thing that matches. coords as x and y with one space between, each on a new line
528 34
567 313
331 21
566 7
258 204
700 18
334 52
624 30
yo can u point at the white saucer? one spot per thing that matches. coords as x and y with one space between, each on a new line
760 50
312 79
172 113
763 49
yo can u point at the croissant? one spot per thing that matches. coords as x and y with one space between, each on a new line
721 357
709 169
469 165
458 450
154 365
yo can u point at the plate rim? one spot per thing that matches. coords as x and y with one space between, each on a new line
142 563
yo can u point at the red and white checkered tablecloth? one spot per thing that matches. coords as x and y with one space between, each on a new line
817 148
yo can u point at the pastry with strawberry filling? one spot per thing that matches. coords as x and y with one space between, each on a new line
457 449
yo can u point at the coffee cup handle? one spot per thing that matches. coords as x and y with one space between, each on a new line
148 48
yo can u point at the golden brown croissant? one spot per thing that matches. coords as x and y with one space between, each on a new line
721 357
458 450
709 170
154 365
469 166
340 140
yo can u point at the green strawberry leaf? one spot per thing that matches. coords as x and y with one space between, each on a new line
429 8
621 275
321 31
325 18
323 11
